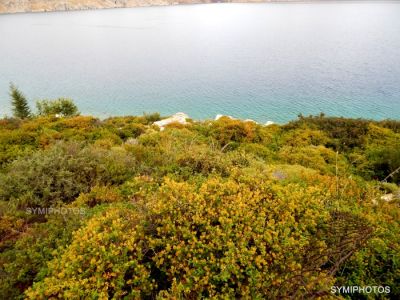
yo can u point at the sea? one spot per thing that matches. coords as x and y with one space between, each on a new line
260 61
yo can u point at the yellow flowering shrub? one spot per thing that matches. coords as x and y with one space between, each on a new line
103 261
217 209
225 238
236 240
98 195
226 130
314 157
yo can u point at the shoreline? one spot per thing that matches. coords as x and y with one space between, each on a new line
62 6
18 7
184 118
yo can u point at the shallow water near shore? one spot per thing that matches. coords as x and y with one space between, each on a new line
261 61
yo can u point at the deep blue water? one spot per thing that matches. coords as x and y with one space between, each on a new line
259 61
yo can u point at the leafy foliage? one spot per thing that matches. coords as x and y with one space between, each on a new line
62 173
62 107
215 209
101 262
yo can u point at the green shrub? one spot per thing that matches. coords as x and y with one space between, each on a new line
231 132
379 262
62 172
26 261
151 118
61 106
314 157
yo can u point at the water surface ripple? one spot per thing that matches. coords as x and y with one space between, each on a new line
262 61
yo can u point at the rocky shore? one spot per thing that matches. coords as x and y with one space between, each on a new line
15 6
182 118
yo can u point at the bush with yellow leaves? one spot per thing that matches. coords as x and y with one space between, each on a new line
105 259
222 239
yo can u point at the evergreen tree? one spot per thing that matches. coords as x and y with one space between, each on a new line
19 103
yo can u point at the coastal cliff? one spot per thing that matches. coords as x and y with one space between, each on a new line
14 6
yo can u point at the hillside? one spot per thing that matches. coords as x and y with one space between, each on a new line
114 208
13 6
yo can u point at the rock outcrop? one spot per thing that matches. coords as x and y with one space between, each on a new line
217 117
269 123
179 118
14 6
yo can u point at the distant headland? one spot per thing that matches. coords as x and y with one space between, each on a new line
17 6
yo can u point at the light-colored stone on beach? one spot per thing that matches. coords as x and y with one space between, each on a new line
179 117
217 117
250 120
269 123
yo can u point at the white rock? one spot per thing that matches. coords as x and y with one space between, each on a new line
179 117
387 197
250 120
132 141
220 116
269 123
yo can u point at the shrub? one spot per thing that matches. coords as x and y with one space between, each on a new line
98 195
345 133
61 106
258 150
240 238
85 123
27 260
62 172
379 262
305 137
314 157
224 209
104 260
151 118
227 131
10 123
383 153
15 143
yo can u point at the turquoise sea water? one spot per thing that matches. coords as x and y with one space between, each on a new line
262 61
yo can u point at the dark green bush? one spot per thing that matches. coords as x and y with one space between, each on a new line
62 172
62 107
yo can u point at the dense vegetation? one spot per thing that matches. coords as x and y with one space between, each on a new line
215 209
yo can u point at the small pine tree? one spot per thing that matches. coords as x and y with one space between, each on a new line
19 103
